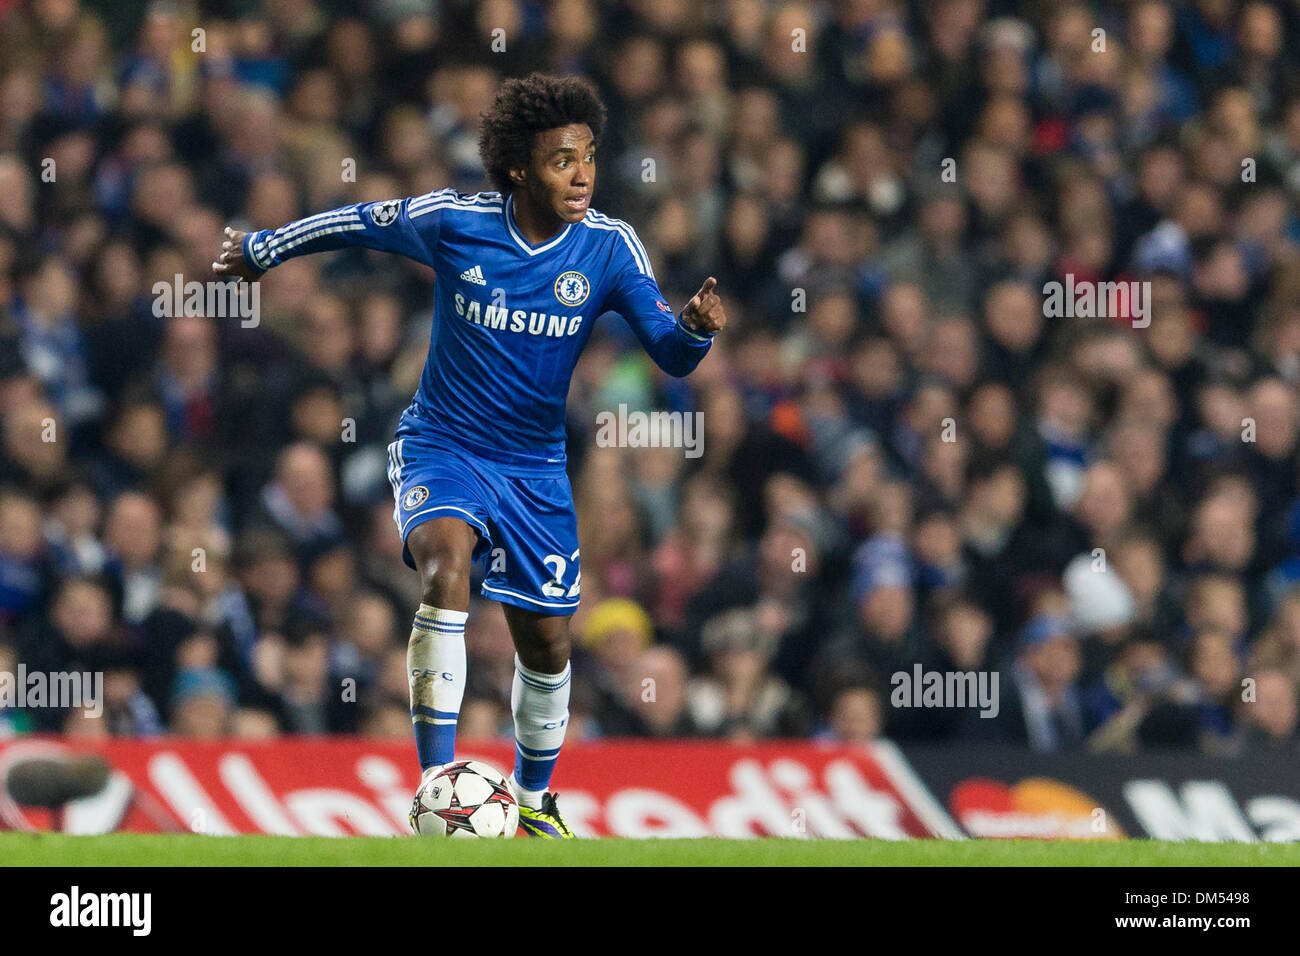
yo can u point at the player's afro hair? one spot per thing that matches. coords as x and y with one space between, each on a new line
525 107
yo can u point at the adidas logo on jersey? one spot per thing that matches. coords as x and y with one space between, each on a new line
474 275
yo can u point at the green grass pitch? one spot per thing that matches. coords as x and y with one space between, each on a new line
21 849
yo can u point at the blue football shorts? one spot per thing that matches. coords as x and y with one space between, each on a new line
528 531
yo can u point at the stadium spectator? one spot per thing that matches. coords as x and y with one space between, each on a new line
614 634
740 698
856 714
1217 671
1043 708
1270 722
653 698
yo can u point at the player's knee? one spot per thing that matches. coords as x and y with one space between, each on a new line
445 581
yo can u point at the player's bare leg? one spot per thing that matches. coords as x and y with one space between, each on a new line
539 701
541 640
442 549
435 655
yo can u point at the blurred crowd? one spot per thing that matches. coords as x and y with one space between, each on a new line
905 460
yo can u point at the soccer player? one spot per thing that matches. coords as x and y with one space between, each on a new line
478 462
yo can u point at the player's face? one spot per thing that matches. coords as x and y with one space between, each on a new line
563 172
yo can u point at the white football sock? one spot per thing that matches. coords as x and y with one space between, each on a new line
540 705
435 670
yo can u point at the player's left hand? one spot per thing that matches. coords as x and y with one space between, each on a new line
704 313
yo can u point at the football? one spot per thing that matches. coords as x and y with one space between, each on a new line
465 799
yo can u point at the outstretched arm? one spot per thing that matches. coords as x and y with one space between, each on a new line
405 226
677 344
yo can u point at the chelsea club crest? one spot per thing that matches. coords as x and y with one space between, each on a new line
415 497
572 288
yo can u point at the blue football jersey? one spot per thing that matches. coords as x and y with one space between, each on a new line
510 318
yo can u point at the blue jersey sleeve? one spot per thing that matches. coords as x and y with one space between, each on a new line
408 227
636 296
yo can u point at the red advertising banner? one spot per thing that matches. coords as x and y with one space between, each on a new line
346 786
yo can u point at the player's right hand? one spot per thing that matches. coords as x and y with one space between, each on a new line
231 262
